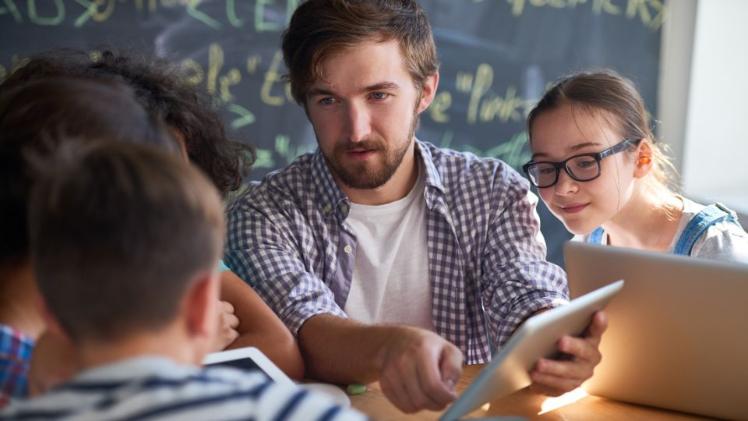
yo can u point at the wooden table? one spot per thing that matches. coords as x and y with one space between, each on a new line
522 403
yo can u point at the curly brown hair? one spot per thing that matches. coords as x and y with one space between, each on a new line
162 89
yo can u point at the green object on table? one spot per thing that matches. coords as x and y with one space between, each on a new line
355 389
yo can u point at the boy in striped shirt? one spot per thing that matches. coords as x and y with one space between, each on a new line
125 242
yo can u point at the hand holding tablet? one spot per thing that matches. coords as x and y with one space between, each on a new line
509 369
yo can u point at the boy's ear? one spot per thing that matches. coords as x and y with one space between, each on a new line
644 159
200 305
50 321
428 92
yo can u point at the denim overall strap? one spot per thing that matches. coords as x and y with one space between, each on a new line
596 236
698 225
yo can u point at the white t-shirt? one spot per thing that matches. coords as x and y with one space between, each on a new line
722 241
391 281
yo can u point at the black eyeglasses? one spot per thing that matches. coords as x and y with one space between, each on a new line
582 167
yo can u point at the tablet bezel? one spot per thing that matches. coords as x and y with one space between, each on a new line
255 355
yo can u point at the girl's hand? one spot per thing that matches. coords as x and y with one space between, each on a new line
227 325
556 377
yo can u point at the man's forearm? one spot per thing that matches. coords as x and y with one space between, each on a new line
416 368
339 350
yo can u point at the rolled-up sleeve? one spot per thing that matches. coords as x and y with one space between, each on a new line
517 279
266 245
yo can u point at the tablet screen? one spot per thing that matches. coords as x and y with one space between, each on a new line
248 359
247 364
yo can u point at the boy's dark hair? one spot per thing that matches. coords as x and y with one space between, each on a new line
118 231
321 28
34 117
163 90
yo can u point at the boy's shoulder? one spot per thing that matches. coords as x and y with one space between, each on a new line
134 387
150 387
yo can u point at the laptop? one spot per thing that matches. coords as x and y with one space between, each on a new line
677 335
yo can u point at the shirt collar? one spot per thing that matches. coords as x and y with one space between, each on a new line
332 200
433 179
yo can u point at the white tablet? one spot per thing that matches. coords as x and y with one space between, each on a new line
509 369
252 359
249 358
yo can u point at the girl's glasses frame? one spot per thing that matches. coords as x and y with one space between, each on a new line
535 169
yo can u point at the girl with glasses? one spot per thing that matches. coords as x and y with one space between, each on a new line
597 167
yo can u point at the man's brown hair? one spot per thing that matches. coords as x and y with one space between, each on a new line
321 28
118 231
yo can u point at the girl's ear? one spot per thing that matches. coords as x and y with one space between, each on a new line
644 159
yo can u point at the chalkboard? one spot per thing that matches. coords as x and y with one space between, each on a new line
497 57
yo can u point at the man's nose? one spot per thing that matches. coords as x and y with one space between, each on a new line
358 122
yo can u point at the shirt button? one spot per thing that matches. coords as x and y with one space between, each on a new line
348 249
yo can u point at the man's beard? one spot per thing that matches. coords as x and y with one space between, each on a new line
361 175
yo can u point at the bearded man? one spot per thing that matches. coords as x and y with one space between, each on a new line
389 258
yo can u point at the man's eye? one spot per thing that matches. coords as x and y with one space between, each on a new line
328 100
378 95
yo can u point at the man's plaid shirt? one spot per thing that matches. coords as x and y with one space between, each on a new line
289 238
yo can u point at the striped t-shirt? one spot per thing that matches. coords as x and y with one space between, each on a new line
158 388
